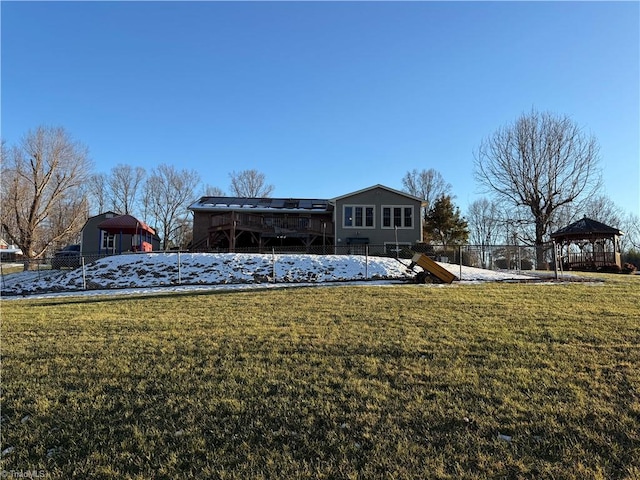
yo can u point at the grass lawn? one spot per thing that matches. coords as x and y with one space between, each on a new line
463 381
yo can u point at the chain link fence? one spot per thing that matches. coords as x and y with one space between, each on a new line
167 271
491 257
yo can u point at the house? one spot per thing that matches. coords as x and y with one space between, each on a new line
377 216
110 233
9 253
92 239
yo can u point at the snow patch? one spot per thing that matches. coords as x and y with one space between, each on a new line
144 272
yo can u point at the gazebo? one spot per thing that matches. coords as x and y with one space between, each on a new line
140 235
588 245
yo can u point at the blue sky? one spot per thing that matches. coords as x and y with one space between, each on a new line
324 98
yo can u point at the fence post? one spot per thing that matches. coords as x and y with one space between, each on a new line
460 259
84 275
179 269
555 260
273 263
366 262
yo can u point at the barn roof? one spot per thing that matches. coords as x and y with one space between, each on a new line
250 204
125 224
585 226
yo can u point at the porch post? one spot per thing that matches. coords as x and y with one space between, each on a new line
232 237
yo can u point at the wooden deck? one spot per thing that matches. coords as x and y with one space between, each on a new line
270 225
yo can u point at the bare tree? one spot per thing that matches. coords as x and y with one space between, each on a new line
212 191
541 162
598 207
250 183
485 221
97 192
123 184
183 232
631 228
169 193
42 190
428 185
63 214
602 209
486 226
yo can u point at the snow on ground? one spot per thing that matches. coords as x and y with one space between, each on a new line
172 272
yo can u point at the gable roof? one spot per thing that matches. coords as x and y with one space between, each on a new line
235 204
378 186
586 226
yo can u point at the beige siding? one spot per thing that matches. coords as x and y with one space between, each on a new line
378 234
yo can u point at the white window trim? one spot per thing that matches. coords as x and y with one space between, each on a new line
104 241
364 217
403 227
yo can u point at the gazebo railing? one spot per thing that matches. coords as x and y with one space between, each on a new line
595 259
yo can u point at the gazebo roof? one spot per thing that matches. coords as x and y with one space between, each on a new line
586 227
125 224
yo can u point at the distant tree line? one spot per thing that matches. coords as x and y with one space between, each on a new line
49 189
539 173
542 173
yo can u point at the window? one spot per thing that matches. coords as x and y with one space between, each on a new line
397 217
400 216
359 216
369 217
408 217
386 217
108 241
348 216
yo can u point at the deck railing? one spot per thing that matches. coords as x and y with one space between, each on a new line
274 224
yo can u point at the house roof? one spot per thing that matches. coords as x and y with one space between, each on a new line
585 226
374 187
125 224
235 204
107 214
262 205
